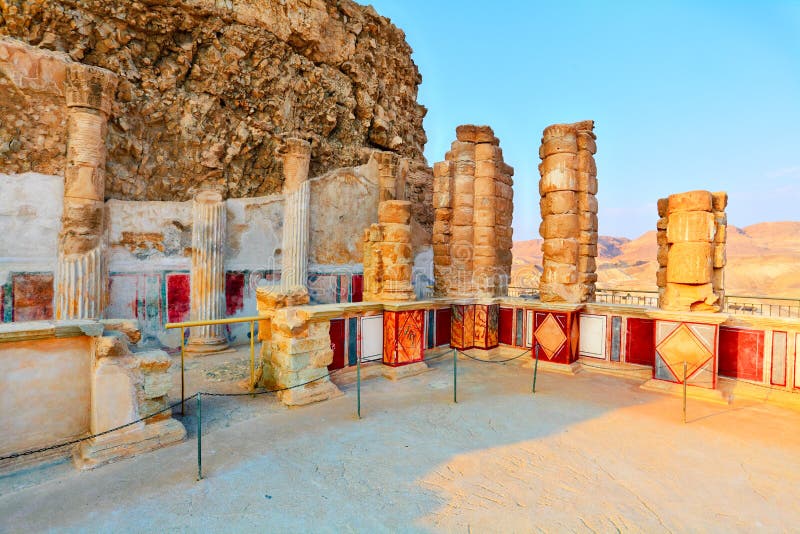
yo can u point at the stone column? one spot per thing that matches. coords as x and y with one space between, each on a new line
296 155
208 272
691 252
80 275
473 203
569 213
391 188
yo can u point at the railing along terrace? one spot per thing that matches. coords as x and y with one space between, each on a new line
632 297
523 292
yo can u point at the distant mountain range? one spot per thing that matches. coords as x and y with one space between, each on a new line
763 259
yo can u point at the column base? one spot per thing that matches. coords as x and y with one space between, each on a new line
127 442
207 345
404 371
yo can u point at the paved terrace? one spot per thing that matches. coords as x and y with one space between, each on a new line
589 452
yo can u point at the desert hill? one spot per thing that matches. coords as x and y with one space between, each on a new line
763 259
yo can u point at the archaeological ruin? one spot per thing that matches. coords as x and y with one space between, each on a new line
164 166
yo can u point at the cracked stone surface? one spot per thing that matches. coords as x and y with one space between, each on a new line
208 89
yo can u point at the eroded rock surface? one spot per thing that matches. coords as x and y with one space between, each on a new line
208 89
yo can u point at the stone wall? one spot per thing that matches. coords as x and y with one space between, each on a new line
473 203
691 251
208 89
569 213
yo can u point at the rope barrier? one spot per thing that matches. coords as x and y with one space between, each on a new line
494 361
170 407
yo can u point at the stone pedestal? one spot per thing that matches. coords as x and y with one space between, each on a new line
80 274
474 325
403 337
295 351
692 338
556 331
296 155
208 272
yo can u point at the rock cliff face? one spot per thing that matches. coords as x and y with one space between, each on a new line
208 88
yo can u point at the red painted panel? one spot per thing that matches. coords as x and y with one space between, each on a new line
506 326
178 297
562 353
358 288
337 344
234 293
442 327
640 343
741 353
33 296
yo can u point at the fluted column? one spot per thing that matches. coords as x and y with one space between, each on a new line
80 273
296 154
208 272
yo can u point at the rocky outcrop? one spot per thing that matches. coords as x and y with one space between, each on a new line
208 90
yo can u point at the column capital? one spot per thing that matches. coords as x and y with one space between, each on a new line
90 87
296 156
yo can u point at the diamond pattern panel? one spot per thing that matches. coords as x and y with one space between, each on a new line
550 336
682 345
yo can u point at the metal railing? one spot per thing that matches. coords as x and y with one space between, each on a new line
523 292
231 320
632 297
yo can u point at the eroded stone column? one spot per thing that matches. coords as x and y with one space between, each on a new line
388 258
569 213
691 252
296 155
208 272
473 203
80 274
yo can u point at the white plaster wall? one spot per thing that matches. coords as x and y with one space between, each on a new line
44 392
31 205
255 233
423 272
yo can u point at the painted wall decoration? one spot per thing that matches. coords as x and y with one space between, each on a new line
443 319
693 343
741 353
593 336
557 335
505 326
779 350
371 338
403 337
640 346
616 338
32 296
336 332
474 326
178 291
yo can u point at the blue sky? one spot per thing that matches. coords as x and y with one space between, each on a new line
685 95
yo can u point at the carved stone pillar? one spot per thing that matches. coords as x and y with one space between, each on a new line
208 272
296 154
80 275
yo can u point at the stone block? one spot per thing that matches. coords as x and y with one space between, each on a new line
661 237
484 187
129 327
721 233
114 399
462 151
442 214
587 202
488 151
685 226
559 145
586 163
558 202
662 224
472 133
663 205
719 200
559 163
485 168
564 226
587 264
587 238
485 236
718 279
689 201
689 263
463 185
111 346
561 273
586 141
485 217
561 250
587 221
720 258
156 385
686 297
587 250
463 215
394 211
661 277
441 200
441 169
558 180
397 233
587 182
128 442
662 255
314 392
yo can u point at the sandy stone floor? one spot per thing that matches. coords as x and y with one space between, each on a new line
588 453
